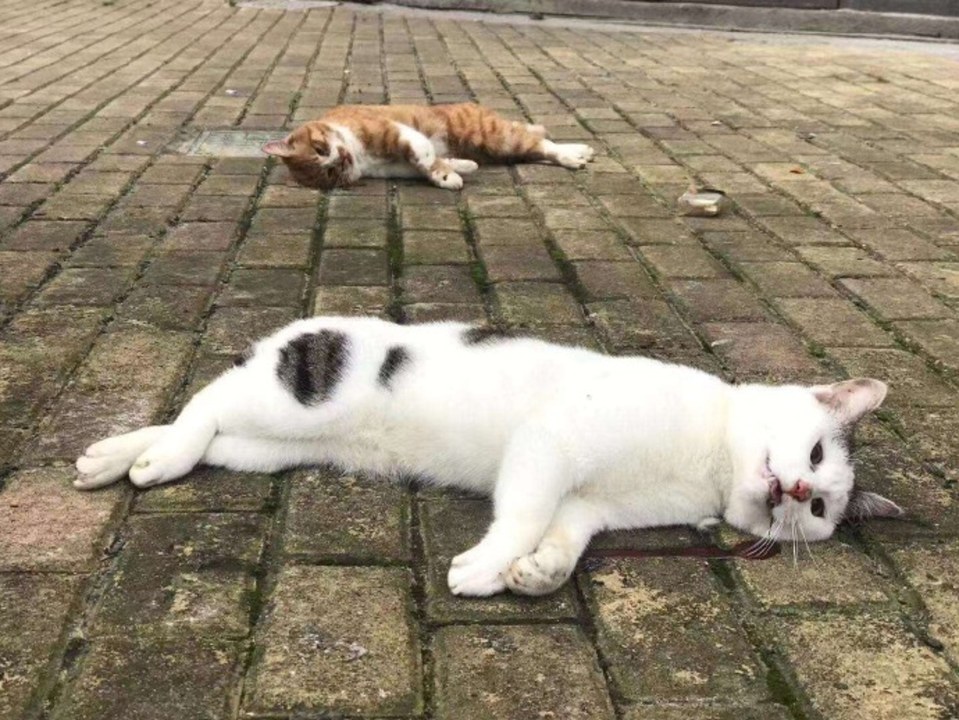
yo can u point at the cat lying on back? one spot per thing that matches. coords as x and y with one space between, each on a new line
567 442
439 142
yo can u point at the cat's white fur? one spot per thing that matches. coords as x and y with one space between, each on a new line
567 442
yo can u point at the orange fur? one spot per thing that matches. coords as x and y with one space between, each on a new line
467 130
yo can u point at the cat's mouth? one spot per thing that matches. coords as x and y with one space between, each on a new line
775 492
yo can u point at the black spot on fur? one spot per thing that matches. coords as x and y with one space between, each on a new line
242 359
396 358
481 335
312 364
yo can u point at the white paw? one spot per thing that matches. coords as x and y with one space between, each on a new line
476 576
464 167
574 155
95 472
447 180
161 463
109 460
541 572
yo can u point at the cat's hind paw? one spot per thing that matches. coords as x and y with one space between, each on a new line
464 167
574 155
447 179
541 572
476 577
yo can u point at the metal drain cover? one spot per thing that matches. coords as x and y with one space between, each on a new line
229 143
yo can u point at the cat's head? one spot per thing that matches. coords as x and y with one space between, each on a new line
313 155
793 477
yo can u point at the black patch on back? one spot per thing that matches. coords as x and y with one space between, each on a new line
481 335
396 358
312 364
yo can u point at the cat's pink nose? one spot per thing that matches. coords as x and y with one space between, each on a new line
800 491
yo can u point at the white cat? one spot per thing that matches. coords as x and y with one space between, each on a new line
568 442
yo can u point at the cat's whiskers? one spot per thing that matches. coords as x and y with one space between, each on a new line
759 548
806 543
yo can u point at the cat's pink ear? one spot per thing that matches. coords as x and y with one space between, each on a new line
851 399
278 148
864 505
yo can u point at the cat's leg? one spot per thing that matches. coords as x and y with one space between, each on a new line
550 565
418 149
570 155
531 481
184 443
109 460
259 454
464 167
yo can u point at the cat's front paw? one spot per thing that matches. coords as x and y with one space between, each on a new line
107 461
161 463
540 572
475 576
448 180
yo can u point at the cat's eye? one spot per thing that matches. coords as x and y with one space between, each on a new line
815 457
818 507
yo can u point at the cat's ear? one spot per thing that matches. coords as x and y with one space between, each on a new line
278 148
864 505
851 399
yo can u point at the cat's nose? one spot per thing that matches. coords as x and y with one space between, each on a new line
800 491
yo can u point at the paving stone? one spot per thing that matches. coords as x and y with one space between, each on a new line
340 640
152 679
434 247
231 330
175 307
47 526
45 235
668 634
885 671
190 574
718 299
683 262
843 261
364 233
185 268
37 350
353 267
834 322
535 303
211 236
931 568
942 278
506 231
647 327
608 280
900 244
351 300
275 251
766 711
109 394
518 262
344 519
501 672
33 609
642 231
939 338
483 206
208 489
743 247
429 217
439 283
828 573
452 524
282 287
592 245
897 299
86 286
112 251
762 351
787 279
802 231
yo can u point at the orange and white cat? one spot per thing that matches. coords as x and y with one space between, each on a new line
439 142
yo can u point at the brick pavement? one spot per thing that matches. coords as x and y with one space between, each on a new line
131 275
